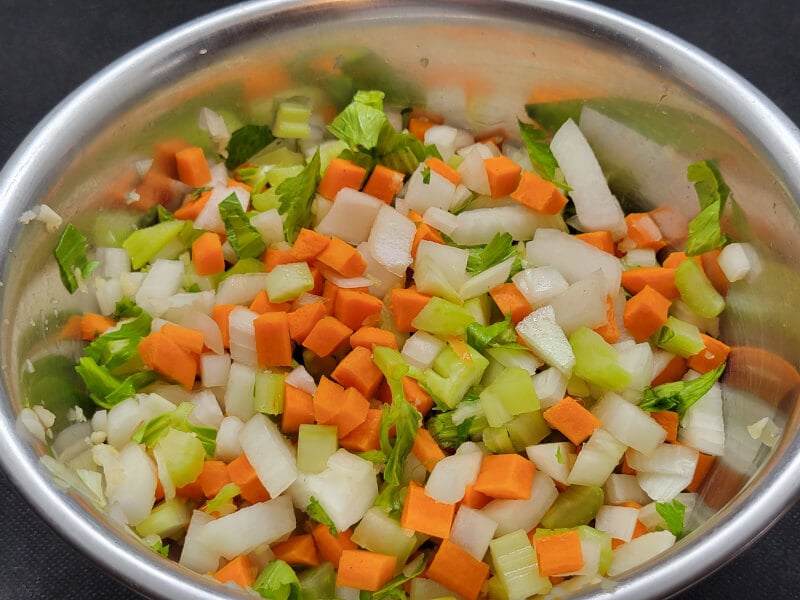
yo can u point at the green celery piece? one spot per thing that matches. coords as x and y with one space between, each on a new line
596 361
296 195
278 581
115 348
144 244
527 429
182 454
510 394
315 445
516 564
449 378
442 317
712 192
318 514
430 279
245 142
277 153
673 514
577 505
497 590
379 532
70 253
166 519
225 495
500 248
697 291
542 159
159 547
391 499
266 200
278 175
287 282
268 393
679 337
152 431
497 440
292 119
678 396
330 150
449 435
373 98
480 307
244 266
110 228
359 124
243 237
102 385
318 583
501 333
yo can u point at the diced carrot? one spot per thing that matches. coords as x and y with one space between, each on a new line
329 291
571 419
674 371
207 256
457 570
630 504
639 530
417 126
243 475
704 464
308 244
369 337
340 174
298 550
625 468
414 217
425 232
645 313
191 491
358 370
164 356
273 344
326 336
303 319
442 168
240 571
72 329
674 260
507 476
192 166
475 499
274 257
669 421
155 188
261 304
93 324
616 543
164 161
660 279
713 355
384 183
713 271
602 240
342 258
190 340
405 304
298 409
354 308
426 449
510 300
609 331
559 553
213 477
220 314
192 207
644 232
365 570
417 396
335 405
331 547
236 183
159 490
426 515
538 194
503 174
366 436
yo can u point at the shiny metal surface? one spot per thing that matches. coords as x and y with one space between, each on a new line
480 62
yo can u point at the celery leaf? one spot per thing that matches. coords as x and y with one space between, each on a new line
105 389
673 514
226 493
149 433
296 194
246 142
391 499
712 193
117 346
243 237
70 253
360 123
542 159
316 512
278 581
678 396
500 248
501 333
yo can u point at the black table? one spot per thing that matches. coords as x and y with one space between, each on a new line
50 46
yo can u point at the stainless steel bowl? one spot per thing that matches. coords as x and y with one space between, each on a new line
668 104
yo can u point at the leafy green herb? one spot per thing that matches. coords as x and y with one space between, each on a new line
149 433
449 435
243 237
164 214
712 192
246 142
376 457
391 498
559 456
160 547
678 396
278 581
426 175
542 159
673 515
316 512
373 98
500 248
105 389
360 123
227 492
70 253
116 347
296 195
501 333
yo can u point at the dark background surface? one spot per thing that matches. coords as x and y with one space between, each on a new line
49 47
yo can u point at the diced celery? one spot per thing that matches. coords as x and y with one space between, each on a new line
182 454
480 307
287 282
441 317
277 153
144 244
166 519
515 357
378 532
516 565
315 445
492 372
278 175
244 266
265 200
577 505
269 393
292 119
527 429
496 588
597 361
112 228
497 440
697 291
449 378
510 394
431 279
328 151
679 337
318 583
578 387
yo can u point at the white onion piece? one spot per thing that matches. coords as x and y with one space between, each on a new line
555 459
108 292
206 411
640 257
480 225
450 476
212 337
319 208
511 515
240 289
270 226
472 530
113 261
381 280
541 333
228 253
209 218
242 335
351 216
739 261
214 369
637 359
126 417
672 459
595 205
343 282
703 426
267 450
440 219
302 380
422 589
472 169
444 138
582 304
540 285
661 487
550 385
620 488
421 349
617 521
247 528
438 191
186 302
390 240
590 550
628 423
486 280
217 129
639 551
239 397
164 279
195 555
228 445
450 261
72 441
597 459
130 477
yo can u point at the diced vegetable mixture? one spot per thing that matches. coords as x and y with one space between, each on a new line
381 357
